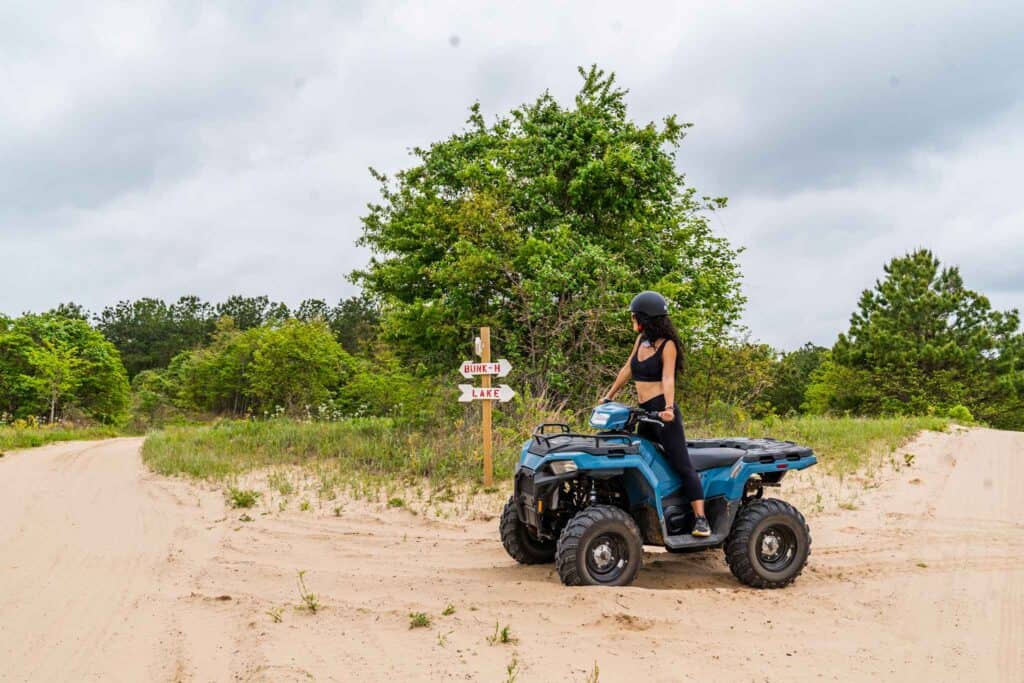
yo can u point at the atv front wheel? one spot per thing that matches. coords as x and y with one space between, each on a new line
769 544
600 546
519 542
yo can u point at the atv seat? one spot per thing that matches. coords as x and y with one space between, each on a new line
711 457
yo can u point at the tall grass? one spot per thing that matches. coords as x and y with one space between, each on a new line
14 438
380 447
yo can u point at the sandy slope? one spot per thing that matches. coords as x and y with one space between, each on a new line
108 572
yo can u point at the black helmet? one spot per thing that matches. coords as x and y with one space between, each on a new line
650 304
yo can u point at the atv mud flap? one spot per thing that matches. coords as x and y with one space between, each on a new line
526 500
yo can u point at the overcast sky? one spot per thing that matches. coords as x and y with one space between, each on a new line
182 149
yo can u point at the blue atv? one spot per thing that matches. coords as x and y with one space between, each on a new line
590 502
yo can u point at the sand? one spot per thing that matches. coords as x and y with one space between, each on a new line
109 572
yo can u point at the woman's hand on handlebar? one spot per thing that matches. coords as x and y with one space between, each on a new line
667 415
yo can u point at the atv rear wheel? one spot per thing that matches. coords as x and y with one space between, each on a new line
519 542
600 546
769 544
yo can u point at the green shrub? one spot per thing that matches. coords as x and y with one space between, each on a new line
960 413
242 498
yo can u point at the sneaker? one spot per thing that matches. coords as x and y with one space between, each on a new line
700 527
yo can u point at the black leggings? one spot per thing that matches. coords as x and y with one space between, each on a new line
673 440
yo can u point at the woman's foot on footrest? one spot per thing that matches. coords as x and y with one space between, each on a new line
700 527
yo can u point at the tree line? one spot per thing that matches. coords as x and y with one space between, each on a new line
542 224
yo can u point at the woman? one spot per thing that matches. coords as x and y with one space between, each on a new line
653 365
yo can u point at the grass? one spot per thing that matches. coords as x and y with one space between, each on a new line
376 449
419 620
501 635
16 438
309 601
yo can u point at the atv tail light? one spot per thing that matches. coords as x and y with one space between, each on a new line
782 466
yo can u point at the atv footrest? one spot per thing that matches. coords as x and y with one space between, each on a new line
685 541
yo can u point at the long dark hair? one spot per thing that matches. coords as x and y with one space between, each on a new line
660 327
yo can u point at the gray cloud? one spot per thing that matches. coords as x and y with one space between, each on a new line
185 148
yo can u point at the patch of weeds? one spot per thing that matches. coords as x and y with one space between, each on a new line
396 503
309 600
242 498
418 620
501 635
326 490
594 675
275 614
304 506
282 505
922 565
449 610
848 505
280 482
512 671
337 510
442 639
245 518
908 459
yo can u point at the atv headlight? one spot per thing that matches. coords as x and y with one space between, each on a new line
563 466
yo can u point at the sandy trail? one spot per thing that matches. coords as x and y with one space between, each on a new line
108 572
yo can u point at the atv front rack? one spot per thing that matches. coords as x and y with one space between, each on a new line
565 440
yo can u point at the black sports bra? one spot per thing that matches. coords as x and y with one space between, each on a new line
649 369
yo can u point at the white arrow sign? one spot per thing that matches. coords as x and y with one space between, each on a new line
470 368
501 393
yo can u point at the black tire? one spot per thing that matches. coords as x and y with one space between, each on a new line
769 544
600 546
519 542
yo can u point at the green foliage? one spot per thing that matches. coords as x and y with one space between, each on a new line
309 600
297 365
920 339
543 225
57 366
418 620
727 376
960 413
242 498
791 376
293 366
148 332
25 436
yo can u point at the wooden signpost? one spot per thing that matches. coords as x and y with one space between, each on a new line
485 392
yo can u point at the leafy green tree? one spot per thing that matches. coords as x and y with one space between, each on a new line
50 362
298 365
733 375
149 332
71 310
55 365
216 378
791 375
920 341
252 311
355 322
543 225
